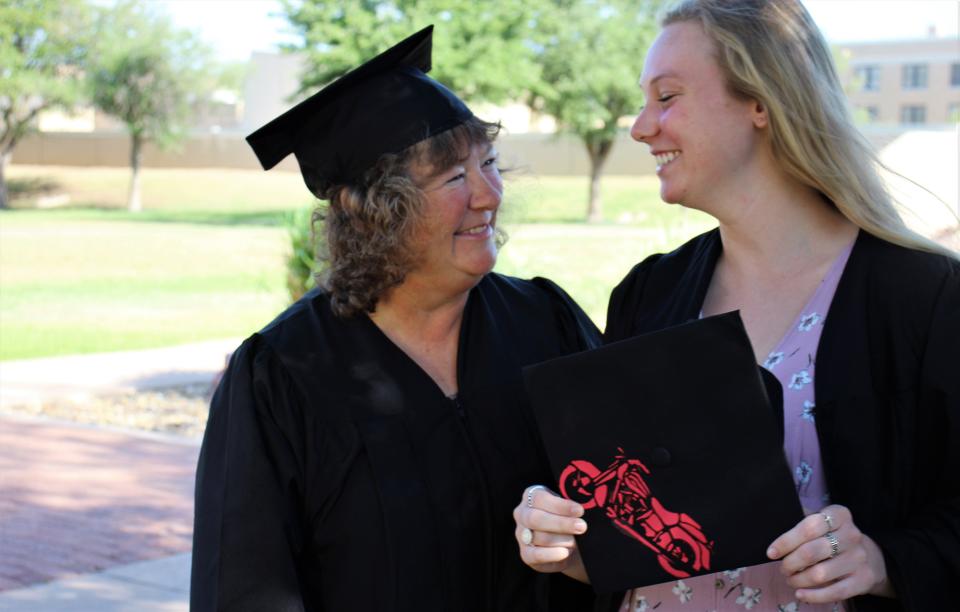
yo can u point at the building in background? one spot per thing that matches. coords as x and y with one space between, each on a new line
907 83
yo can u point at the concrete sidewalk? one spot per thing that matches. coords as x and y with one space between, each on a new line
97 519
146 586
79 376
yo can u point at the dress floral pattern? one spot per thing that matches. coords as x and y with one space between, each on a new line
763 587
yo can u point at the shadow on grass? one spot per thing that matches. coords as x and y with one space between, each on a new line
94 212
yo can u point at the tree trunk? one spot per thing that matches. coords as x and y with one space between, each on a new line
136 155
4 161
598 150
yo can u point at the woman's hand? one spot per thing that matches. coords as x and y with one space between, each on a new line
546 524
827 559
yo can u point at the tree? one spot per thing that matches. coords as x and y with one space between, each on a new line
147 74
42 46
591 54
481 49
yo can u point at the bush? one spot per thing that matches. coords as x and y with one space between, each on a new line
302 264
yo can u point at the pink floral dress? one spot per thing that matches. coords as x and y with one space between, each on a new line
763 587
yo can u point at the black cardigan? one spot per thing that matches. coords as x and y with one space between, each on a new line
887 395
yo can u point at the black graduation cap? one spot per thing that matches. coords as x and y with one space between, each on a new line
672 443
383 106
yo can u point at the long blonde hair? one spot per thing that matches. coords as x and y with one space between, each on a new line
771 51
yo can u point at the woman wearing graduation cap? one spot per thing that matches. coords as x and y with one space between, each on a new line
856 315
364 449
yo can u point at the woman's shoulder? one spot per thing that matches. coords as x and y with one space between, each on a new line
517 292
661 272
896 269
530 303
301 333
674 263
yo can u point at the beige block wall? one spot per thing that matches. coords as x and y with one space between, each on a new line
541 154
544 154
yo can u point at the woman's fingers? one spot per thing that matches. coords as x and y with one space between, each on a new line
546 525
827 558
544 499
540 555
812 527
822 548
828 571
540 520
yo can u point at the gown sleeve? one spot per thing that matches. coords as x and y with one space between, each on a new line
249 491
923 559
578 331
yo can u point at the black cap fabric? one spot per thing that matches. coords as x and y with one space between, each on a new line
383 106
671 443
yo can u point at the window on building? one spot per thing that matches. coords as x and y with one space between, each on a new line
869 77
955 74
913 114
914 76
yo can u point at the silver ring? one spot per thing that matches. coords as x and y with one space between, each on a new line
530 494
526 536
829 521
834 544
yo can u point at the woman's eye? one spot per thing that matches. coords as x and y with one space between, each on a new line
454 179
666 97
490 162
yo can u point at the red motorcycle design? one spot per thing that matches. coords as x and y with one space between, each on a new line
681 547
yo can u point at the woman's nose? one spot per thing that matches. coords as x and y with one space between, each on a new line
486 191
644 126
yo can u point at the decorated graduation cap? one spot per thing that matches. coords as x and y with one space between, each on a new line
673 443
383 106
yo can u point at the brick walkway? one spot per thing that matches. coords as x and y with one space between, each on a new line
76 500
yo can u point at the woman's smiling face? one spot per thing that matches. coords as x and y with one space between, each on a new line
702 136
455 239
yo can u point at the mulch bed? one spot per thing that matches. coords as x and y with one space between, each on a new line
178 410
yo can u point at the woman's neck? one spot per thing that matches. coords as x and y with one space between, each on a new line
778 227
420 314
425 327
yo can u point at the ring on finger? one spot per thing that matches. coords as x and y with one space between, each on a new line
829 521
530 492
834 544
526 536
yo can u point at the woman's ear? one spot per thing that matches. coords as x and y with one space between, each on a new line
759 112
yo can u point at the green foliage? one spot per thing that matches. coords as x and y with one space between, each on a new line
592 53
146 72
42 45
302 263
578 60
481 50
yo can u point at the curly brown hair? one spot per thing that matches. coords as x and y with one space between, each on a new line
368 227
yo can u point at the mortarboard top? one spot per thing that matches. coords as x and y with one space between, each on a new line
383 106
672 444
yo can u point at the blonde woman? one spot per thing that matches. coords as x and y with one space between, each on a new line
858 317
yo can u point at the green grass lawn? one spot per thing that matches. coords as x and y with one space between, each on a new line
205 259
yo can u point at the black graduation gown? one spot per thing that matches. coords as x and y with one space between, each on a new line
887 396
335 474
